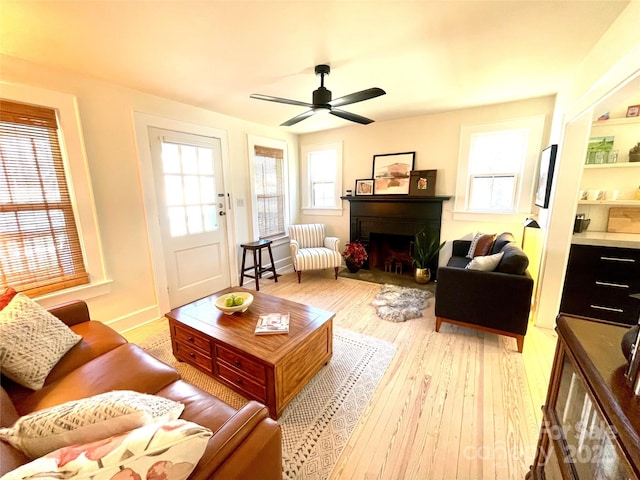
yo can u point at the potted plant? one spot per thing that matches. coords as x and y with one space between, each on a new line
354 256
425 248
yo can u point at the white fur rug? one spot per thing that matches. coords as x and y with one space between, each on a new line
399 304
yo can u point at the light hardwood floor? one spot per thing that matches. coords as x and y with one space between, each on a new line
458 404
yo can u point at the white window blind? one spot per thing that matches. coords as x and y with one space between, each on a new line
40 251
269 190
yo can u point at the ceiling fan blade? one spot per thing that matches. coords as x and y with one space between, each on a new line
357 97
297 118
279 100
351 116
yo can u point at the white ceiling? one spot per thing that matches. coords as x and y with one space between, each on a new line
429 56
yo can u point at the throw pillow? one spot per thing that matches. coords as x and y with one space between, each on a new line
481 244
487 263
515 261
6 297
87 420
164 450
32 341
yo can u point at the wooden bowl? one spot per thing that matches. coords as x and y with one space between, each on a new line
247 301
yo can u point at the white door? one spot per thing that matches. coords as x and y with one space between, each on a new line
192 208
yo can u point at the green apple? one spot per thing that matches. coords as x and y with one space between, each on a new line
229 302
238 301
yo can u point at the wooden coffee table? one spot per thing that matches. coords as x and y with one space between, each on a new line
269 368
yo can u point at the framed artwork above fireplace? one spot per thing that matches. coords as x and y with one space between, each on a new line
391 173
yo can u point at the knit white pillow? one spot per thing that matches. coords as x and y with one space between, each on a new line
87 420
487 263
32 341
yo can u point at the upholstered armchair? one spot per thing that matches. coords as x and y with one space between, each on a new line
311 250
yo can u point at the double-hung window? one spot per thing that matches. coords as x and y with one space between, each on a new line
322 174
497 164
269 187
40 250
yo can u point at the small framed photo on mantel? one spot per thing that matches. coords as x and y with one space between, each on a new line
364 186
422 183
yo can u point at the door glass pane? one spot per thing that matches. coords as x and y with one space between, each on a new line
189 179
590 440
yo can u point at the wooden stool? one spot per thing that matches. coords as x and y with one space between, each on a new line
257 267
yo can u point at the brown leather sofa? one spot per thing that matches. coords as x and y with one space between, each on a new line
246 443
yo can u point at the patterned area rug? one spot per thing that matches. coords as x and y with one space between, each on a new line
317 424
399 304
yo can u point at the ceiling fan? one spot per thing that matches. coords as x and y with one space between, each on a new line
322 102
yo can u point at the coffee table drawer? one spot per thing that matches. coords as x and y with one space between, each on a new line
242 383
187 337
194 357
241 363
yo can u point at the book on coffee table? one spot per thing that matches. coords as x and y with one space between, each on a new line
272 323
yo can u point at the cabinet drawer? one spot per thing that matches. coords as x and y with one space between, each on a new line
193 356
248 367
242 382
187 337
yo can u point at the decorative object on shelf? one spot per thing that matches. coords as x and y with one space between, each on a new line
422 183
598 150
391 173
633 111
545 175
364 186
349 193
634 153
425 248
604 116
354 256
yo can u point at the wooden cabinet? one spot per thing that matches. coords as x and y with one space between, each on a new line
591 419
599 281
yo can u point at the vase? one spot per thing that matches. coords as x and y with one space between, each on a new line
351 265
422 275
634 157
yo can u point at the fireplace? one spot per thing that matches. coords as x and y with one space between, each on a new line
386 226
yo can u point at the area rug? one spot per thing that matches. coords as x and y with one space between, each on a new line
317 424
398 304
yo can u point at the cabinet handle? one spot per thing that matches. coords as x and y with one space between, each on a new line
239 381
608 284
615 259
190 339
609 309
238 363
192 355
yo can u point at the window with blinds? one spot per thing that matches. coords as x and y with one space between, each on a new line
40 250
269 190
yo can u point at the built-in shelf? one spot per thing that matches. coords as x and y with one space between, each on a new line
615 203
616 121
613 165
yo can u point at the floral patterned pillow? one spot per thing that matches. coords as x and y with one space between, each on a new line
166 450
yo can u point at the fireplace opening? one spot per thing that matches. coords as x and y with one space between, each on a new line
390 253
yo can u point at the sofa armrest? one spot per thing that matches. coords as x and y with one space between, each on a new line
332 242
492 299
294 245
460 248
71 313
232 434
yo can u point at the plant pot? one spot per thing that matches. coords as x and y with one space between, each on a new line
351 265
422 275
634 157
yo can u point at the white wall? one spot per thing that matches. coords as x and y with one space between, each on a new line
614 61
106 115
436 141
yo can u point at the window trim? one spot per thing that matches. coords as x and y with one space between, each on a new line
526 181
80 188
252 142
306 186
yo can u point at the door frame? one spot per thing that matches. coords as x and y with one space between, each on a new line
142 122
